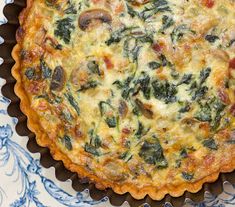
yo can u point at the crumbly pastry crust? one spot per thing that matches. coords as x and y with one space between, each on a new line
43 140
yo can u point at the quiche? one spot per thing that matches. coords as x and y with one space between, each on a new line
135 95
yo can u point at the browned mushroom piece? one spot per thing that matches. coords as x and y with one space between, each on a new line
123 108
58 79
86 17
139 2
145 109
114 171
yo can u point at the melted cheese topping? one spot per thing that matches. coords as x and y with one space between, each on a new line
134 91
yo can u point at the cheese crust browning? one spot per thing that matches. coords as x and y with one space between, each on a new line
135 95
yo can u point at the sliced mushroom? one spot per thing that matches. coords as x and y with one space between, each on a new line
114 171
145 109
122 108
139 2
95 14
58 79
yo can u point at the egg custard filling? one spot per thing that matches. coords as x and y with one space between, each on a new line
135 95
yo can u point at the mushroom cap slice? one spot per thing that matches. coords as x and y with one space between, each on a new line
139 2
58 79
145 110
86 17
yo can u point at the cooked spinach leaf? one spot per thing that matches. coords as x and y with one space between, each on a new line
211 111
66 140
166 23
210 143
66 115
72 102
187 176
64 28
105 107
125 86
200 93
154 65
232 141
51 98
204 74
163 90
218 108
91 149
46 71
231 43
143 83
89 85
94 139
30 73
211 38
117 35
185 108
197 88
204 113
71 8
164 61
156 6
131 49
183 153
152 153
178 163
139 133
126 156
179 31
131 11
94 67
186 79
106 111
111 122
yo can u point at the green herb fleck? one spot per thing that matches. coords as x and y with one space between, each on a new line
231 43
93 67
70 9
91 149
185 108
89 85
94 139
204 74
111 122
154 65
166 23
126 156
211 38
179 31
187 176
140 130
183 153
156 6
131 11
204 113
30 73
73 102
210 143
186 79
67 142
46 71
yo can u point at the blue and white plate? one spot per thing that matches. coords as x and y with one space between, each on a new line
25 183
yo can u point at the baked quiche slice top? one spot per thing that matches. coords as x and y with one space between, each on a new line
136 95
